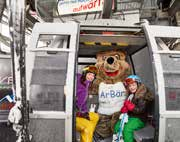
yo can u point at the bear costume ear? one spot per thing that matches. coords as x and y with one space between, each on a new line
122 55
99 56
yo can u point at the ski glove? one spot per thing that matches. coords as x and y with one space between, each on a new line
83 115
130 106
124 109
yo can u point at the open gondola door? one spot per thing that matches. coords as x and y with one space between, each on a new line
51 65
163 42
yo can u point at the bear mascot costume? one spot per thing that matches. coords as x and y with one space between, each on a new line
108 85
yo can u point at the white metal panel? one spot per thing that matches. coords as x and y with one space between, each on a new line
49 115
158 66
163 31
153 32
55 28
72 30
162 129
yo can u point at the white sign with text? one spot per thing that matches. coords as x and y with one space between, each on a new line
79 6
111 97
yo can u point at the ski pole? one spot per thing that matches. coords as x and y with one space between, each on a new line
120 129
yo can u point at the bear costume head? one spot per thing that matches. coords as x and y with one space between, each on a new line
112 67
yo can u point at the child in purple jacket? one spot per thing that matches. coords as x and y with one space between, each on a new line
85 121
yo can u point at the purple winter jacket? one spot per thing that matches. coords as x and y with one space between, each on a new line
82 94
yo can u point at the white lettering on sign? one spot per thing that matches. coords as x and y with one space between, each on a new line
111 97
79 6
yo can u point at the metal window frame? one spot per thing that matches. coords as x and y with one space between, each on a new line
153 32
72 30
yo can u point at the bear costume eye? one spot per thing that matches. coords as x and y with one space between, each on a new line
117 57
104 58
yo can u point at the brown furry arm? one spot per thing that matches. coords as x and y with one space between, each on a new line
140 106
94 87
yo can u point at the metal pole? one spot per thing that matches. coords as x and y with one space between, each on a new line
17 43
107 9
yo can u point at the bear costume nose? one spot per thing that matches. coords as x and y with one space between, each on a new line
110 60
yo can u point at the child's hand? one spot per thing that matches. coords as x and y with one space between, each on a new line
83 115
86 116
130 106
124 109
92 108
126 103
